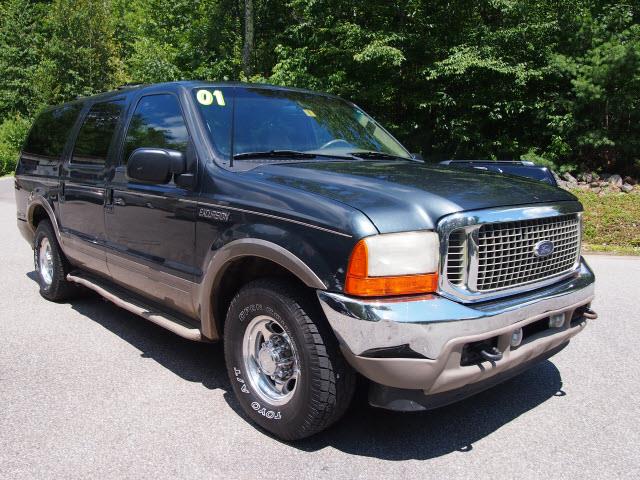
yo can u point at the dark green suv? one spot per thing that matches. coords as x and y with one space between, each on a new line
295 228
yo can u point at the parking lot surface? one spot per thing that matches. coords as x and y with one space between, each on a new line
88 390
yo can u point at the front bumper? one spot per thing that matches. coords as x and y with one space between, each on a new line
436 330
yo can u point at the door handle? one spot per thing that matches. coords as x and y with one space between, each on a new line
119 201
108 200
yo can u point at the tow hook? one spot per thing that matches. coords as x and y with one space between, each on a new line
475 353
491 354
589 314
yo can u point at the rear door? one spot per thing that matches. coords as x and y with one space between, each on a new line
82 189
151 227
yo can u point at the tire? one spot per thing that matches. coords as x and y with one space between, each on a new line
323 386
53 283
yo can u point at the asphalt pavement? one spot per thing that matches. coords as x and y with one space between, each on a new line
88 390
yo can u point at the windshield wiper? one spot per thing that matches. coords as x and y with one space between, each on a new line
274 153
290 154
376 155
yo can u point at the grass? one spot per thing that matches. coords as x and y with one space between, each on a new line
611 222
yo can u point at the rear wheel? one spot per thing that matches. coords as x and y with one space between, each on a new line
284 362
51 265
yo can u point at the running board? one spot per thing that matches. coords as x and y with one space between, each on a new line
114 295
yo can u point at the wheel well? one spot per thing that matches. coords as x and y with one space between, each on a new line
238 273
39 214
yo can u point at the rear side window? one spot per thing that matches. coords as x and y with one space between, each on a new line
50 131
157 122
96 133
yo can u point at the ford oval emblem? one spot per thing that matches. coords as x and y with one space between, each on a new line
543 249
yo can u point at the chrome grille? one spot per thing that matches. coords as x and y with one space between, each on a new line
506 256
456 257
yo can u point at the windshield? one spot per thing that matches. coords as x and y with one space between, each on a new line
271 124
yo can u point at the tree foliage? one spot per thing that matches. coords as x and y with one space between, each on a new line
558 82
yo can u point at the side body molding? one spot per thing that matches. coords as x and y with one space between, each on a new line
218 261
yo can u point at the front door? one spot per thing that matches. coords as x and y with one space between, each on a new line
151 228
82 188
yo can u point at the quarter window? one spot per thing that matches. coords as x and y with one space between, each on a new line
50 131
157 122
96 133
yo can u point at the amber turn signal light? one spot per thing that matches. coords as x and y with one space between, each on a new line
360 284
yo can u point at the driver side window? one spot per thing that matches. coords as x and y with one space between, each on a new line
157 122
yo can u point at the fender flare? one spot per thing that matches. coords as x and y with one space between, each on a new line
37 200
220 259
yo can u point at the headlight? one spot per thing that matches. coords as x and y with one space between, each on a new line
394 264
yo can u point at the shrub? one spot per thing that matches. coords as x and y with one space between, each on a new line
12 134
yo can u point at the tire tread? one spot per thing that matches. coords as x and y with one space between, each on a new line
60 288
333 378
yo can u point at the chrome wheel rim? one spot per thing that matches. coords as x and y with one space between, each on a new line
45 261
270 360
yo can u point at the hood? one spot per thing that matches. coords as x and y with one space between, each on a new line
400 196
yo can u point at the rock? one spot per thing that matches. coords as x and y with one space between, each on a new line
596 190
588 177
626 188
615 180
594 184
603 184
630 180
570 178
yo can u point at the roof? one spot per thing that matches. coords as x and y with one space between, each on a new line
184 84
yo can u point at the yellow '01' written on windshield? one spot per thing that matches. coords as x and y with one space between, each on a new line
205 97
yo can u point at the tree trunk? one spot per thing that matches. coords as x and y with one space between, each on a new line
247 50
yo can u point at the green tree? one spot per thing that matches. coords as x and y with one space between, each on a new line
553 81
79 56
601 114
20 41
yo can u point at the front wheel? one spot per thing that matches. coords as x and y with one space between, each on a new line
284 362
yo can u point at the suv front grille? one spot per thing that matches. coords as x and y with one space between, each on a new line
456 257
506 251
496 256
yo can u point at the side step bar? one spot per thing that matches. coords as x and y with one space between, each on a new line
122 300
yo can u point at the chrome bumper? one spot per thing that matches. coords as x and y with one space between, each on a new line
436 328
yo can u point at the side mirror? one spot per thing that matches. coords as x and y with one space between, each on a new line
417 156
155 165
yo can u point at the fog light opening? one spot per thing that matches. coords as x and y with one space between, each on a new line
556 320
516 338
